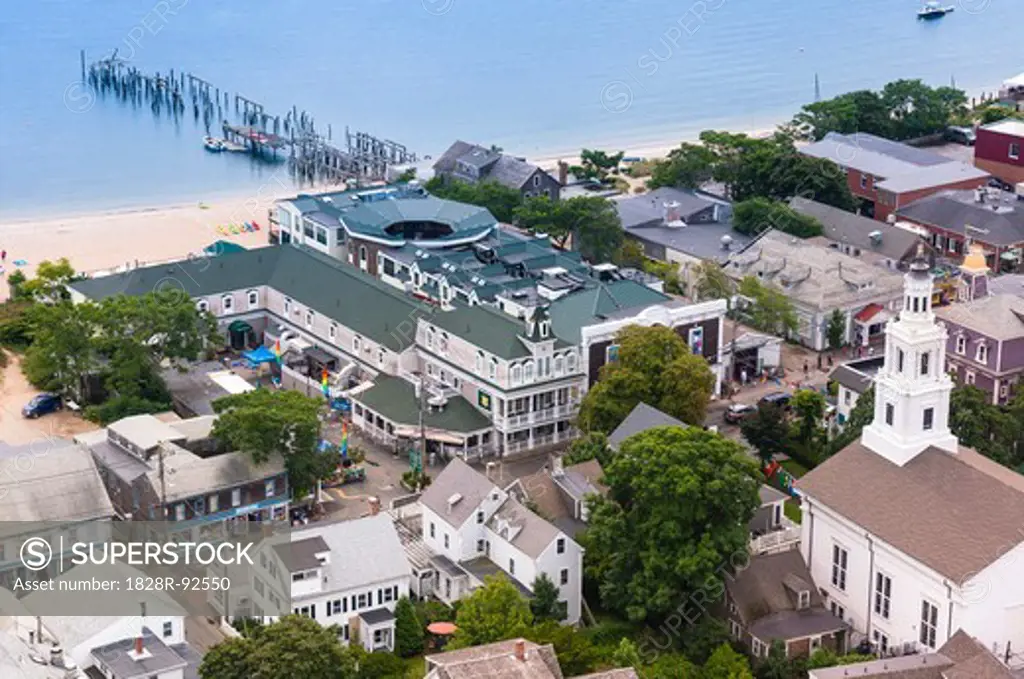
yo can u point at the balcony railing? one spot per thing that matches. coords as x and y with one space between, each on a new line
549 414
786 537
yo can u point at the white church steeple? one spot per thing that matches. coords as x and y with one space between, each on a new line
912 389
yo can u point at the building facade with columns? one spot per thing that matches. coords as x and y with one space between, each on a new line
910 535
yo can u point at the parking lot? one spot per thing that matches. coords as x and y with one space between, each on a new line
15 392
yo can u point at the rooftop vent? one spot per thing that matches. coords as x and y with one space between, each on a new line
454 500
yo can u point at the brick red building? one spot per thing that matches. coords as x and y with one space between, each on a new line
886 175
998 150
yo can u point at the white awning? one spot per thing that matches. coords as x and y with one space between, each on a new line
230 382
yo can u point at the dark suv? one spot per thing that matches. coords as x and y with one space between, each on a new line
777 398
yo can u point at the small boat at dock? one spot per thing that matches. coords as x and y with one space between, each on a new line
213 144
933 10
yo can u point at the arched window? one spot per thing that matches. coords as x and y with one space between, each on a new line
480 362
357 343
570 362
492 368
309 318
517 374
431 332
559 365
924 363
529 371
443 344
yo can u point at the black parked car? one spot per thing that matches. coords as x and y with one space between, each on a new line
777 398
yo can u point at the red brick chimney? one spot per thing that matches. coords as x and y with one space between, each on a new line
521 651
138 645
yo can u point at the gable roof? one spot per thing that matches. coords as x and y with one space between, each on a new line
495 661
585 307
511 172
998 221
766 592
534 534
341 292
493 331
648 209
1000 317
457 478
499 167
845 227
641 418
955 513
446 161
395 399
354 544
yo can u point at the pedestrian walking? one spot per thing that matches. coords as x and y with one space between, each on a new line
3 255
743 377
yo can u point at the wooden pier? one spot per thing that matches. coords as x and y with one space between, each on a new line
245 124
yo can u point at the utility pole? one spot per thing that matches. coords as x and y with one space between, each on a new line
423 425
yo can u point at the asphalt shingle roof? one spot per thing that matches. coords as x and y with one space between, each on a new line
640 419
37 474
457 477
332 288
957 210
841 226
395 399
373 218
1000 317
955 513
493 331
575 311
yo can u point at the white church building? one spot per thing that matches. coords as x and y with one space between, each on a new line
909 535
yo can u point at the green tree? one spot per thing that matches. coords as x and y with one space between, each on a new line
540 214
701 640
576 654
655 366
379 665
266 422
860 111
712 282
499 199
626 655
756 215
64 348
630 254
671 666
992 431
15 284
725 663
595 225
861 415
294 646
409 629
491 613
406 176
702 486
770 310
545 604
596 164
690 166
808 411
835 331
50 282
778 666
766 429
592 445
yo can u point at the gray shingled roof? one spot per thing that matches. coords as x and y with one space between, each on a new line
496 661
332 288
1000 317
51 480
457 477
956 210
300 555
641 418
534 535
511 172
955 513
647 209
841 226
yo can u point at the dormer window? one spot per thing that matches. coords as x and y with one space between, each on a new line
430 337
982 354
254 298
227 303
545 328
803 600
570 362
961 344
203 306
517 374
559 365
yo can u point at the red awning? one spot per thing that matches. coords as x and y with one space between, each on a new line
868 312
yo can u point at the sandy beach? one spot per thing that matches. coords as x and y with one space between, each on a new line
101 241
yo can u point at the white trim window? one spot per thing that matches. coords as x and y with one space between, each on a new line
883 594
479 363
357 343
253 297
881 642
961 344
287 305
382 356
227 304
202 305
332 331
756 647
528 372
492 368
517 374
431 334
969 377
442 344
570 362
559 366
929 624
981 356
1014 151
309 318
840 558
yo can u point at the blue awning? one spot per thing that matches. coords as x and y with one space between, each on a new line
260 355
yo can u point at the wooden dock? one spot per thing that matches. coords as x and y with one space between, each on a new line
245 124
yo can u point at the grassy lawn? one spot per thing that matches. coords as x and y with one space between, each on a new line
792 511
794 468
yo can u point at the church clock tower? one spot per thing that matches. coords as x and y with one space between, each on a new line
912 389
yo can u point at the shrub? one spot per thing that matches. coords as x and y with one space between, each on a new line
123 406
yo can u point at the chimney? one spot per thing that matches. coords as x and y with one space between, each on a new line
138 645
521 650
563 172
374 503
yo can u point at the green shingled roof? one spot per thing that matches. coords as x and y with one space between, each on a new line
492 331
395 399
373 217
338 291
585 307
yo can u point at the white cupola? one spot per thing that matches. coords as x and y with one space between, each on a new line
912 389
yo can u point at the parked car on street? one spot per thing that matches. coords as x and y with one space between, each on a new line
41 404
778 398
738 412
960 135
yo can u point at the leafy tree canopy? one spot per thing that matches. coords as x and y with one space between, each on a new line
590 221
491 613
725 663
860 416
767 431
835 331
654 366
596 164
265 422
545 604
753 216
409 629
294 646
688 167
499 199
677 510
770 310
50 283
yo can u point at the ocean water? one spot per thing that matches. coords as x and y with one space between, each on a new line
534 76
